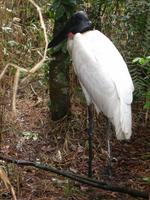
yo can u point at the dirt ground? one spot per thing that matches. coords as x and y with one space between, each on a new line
63 144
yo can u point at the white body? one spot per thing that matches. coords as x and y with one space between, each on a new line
104 78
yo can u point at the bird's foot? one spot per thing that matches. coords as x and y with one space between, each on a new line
108 172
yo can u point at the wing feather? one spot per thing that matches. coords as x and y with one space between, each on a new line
104 77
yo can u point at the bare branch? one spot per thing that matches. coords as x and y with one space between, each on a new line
39 64
34 69
15 88
11 65
81 179
16 81
7 183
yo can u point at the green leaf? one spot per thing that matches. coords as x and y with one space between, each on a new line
147 179
148 95
60 12
148 57
142 61
5 52
30 135
147 105
69 2
136 60
56 4
12 43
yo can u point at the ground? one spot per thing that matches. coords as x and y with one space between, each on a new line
63 144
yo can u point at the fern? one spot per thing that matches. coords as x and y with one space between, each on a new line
141 78
147 33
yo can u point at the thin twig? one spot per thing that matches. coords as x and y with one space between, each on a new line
16 81
34 68
7 183
34 92
11 65
15 88
81 179
146 115
39 64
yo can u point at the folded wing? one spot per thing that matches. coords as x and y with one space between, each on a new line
104 78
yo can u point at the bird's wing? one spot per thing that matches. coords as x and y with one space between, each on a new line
104 77
95 55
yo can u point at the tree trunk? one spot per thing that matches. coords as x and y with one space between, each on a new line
59 82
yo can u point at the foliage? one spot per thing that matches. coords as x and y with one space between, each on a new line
136 22
59 12
29 135
142 81
128 25
125 22
21 34
60 8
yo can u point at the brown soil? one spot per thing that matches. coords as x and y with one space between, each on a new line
63 144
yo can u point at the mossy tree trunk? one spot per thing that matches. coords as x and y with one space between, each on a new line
59 84
59 90
59 67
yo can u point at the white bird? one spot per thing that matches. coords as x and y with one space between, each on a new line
102 73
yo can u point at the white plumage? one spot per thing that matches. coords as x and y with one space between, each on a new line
104 78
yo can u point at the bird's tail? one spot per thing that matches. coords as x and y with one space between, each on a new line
123 128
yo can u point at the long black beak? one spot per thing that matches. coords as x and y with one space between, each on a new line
78 23
60 37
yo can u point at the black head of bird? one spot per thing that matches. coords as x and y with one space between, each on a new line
78 23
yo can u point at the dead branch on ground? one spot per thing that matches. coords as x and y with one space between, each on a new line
81 179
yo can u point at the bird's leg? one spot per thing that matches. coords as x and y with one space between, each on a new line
109 134
90 138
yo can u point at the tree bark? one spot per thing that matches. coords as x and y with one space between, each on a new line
59 82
